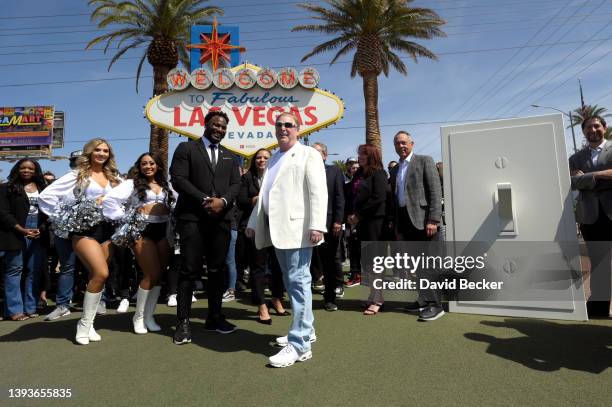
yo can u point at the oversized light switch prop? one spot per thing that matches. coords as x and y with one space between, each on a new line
508 181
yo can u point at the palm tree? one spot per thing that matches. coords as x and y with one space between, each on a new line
583 113
162 27
375 30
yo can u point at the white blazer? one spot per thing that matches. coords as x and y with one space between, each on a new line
297 202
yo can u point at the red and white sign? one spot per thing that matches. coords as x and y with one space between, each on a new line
251 107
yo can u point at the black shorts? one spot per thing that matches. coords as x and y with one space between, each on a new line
155 231
102 232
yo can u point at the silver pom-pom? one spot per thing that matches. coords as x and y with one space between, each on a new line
132 225
75 217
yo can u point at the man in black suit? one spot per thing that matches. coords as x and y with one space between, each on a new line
417 209
207 178
326 256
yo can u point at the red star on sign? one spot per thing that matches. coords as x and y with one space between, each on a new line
214 47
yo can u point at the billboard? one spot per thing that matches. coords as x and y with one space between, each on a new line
26 126
58 129
251 96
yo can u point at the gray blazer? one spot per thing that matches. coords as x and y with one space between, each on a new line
422 189
592 192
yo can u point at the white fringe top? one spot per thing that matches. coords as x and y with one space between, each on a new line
63 191
124 196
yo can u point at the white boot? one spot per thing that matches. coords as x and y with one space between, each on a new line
141 301
93 335
85 324
149 311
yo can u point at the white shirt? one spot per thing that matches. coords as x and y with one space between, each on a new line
400 182
62 190
207 144
595 152
274 164
113 205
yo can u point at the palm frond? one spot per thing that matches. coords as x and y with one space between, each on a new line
139 69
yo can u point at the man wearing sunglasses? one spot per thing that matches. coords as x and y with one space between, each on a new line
290 215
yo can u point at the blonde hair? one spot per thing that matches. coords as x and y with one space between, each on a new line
83 164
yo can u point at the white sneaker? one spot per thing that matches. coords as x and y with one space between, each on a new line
123 306
172 300
101 308
283 341
288 356
228 296
58 312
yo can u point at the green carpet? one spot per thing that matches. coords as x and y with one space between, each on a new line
385 360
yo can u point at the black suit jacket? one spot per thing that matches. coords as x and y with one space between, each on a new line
194 178
249 187
14 209
335 195
370 200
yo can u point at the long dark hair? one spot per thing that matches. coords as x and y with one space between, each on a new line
141 184
252 166
373 158
15 185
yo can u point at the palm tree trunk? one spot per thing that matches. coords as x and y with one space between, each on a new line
370 93
158 142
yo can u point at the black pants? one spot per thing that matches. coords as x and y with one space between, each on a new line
408 232
258 262
173 273
210 238
326 262
597 237
353 246
124 277
242 255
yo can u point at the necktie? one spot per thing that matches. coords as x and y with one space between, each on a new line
213 158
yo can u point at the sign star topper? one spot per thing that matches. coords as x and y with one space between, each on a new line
214 47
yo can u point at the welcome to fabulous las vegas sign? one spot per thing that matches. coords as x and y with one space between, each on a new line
251 96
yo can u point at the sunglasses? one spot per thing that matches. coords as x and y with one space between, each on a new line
288 125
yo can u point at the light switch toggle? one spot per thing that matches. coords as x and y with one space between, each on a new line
505 210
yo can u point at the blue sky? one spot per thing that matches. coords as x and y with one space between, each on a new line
499 58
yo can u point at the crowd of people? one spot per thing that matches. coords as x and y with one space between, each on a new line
286 223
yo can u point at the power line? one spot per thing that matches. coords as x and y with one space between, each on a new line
561 71
522 66
600 59
495 13
259 39
275 67
259 4
501 68
473 51
293 19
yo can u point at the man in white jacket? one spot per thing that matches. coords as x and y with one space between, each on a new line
290 215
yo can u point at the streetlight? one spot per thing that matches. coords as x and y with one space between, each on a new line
570 119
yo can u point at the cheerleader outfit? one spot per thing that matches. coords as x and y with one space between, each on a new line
122 205
124 198
64 193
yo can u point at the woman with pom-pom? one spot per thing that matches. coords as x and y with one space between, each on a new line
74 206
142 205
